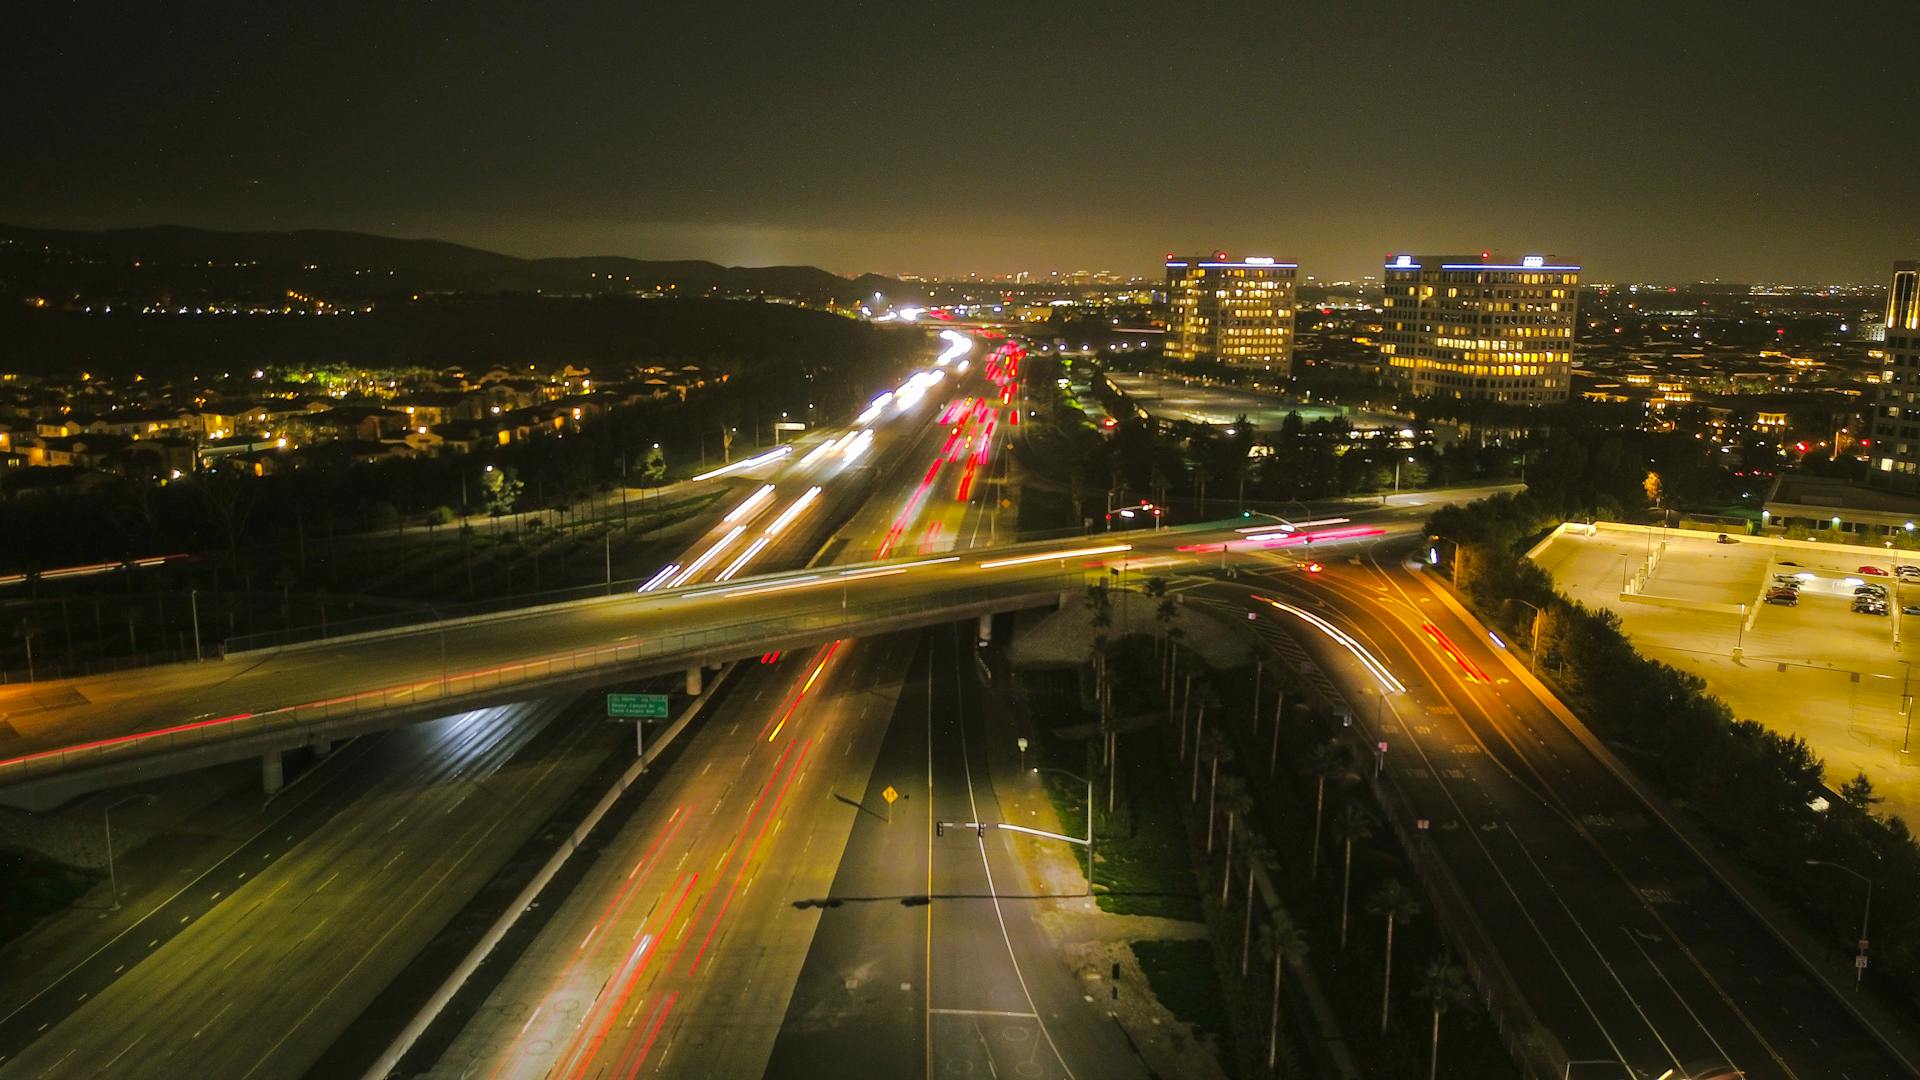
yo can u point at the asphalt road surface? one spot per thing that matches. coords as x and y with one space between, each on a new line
152 702
927 960
1627 950
676 952
255 968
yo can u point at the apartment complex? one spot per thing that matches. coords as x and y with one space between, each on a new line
1479 326
1236 312
1896 413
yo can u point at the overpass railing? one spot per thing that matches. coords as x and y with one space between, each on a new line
291 724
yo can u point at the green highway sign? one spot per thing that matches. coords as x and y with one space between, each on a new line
636 706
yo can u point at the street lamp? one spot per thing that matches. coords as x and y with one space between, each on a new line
1038 769
1860 962
1533 649
106 820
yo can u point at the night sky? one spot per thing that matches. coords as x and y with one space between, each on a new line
1744 141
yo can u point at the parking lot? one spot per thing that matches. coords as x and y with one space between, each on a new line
1816 668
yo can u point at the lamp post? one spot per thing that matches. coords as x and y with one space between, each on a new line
106 820
1866 912
1533 648
1906 704
1037 769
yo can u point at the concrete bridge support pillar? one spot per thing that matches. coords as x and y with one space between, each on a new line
322 745
985 633
694 681
272 777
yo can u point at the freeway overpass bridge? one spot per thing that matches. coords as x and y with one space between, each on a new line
61 740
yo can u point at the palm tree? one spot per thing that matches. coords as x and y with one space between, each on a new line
1445 985
1354 823
1218 750
1204 747
1156 590
1280 941
1257 852
1279 711
1323 761
1397 904
1234 801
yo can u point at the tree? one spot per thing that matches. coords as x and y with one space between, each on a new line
1216 752
1257 853
1654 487
438 516
653 467
1397 904
1858 793
1280 941
1234 801
1354 823
500 490
1323 761
1445 985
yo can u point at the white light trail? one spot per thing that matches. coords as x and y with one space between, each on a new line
656 580
860 444
1341 637
707 556
958 345
818 452
897 567
774 454
1049 556
748 504
746 556
778 586
793 511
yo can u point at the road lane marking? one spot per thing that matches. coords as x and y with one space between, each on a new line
986 867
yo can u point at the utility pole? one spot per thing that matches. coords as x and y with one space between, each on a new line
193 601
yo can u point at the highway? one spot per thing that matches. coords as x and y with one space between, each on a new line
396 790
253 969
679 952
682 942
1627 950
52 727
950 916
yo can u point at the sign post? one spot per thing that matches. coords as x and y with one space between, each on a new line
638 708
890 795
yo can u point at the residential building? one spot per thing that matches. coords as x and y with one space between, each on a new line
1479 327
1896 414
1231 311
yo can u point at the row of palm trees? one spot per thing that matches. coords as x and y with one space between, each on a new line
1279 940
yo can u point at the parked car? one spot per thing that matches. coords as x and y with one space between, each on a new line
1783 597
1784 562
1868 606
1723 538
1873 571
1907 570
1910 609
1785 581
1877 591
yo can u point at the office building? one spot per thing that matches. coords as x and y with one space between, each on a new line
1479 327
1896 415
1231 311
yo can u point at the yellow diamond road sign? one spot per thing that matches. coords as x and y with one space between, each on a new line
890 795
